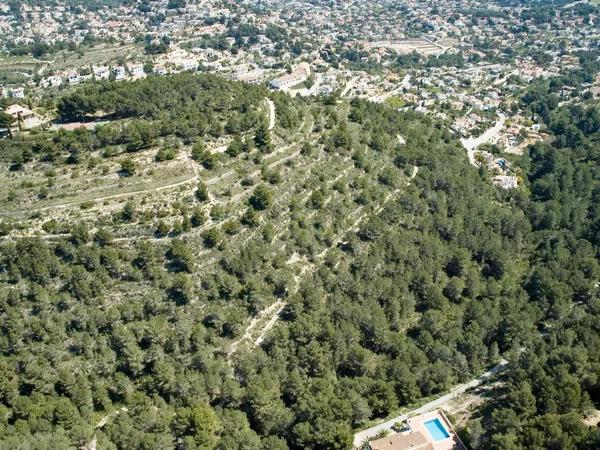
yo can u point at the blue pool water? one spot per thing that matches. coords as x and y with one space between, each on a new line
436 429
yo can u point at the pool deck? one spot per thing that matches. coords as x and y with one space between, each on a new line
417 423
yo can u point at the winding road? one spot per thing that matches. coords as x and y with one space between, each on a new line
404 84
349 85
471 143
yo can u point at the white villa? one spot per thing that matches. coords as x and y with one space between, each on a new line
429 431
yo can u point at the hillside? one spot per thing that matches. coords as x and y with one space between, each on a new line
179 275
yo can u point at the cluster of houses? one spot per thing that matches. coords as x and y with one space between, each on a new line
17 92
465 95
470 122
59 21
74 77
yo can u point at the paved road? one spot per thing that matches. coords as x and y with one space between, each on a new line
306 92
503 80
370 433
470 144
349 85
571 5
405 83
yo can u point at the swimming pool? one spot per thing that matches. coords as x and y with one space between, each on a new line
436 429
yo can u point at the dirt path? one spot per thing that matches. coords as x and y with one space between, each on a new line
270 324
271 113
191 178
99 198
106 418
273 311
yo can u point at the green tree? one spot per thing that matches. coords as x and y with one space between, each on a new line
261 198
198 217
65 413
202 193
262 138
103 237
180 255
236 147
211 237
181 289
6 121
128 167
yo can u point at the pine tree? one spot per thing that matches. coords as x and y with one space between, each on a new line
262 138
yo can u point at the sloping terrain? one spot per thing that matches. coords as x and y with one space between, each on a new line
187 277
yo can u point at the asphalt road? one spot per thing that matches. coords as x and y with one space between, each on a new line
470 144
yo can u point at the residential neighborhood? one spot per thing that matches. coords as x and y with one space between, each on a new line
447 68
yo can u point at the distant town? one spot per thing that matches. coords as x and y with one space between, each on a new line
461 62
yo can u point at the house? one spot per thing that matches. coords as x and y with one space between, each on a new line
429 431
120 73
23 118
160 70
101 72
249 76
19 112
73 78
189 64
402 441
51 81
505 181
456 105
17 92
137 71
299 75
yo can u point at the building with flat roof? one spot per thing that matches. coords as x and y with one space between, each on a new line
505 181
19 112
101 72
429 431
299 75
